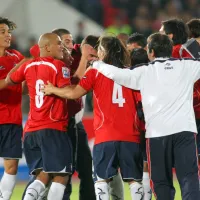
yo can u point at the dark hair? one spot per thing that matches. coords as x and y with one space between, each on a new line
161 44
194 28
139 56
178 28
60 32
11 25
91 40
138 38
115 52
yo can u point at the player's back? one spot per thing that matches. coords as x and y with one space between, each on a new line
10 97
115 117
46 111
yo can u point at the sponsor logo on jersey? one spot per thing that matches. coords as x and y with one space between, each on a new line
65 72
2 67
168 66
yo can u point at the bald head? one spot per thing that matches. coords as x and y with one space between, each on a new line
50 45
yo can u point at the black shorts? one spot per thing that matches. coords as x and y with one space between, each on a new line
198 135
108 157
48 149
11 141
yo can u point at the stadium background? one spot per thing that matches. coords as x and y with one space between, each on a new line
83 17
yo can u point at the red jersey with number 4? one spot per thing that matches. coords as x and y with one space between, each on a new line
10 97
114 109
45 111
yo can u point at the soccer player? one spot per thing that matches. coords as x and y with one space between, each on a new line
169 115
10 112
136 40
176 30
138 57
116 140
77 133
193 47
47 147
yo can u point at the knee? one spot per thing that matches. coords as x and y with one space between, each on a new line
11 166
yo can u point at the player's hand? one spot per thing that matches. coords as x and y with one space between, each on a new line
47 89
88 52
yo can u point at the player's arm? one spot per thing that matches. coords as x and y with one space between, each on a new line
125 77
7 81
88 54
68 92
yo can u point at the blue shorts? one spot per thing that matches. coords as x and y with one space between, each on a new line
48 149
108 157
11 141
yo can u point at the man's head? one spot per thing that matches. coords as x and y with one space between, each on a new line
93 41
136 40
158 46
6 26
66 38
112 51
139 56
194 28
50 45
176 29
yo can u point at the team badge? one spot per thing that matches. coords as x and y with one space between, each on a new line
65 72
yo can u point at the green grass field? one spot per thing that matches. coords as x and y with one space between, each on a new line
20 188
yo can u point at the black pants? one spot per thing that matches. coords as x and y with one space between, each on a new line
178 150
82 163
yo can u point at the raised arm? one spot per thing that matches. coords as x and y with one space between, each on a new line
68 92
125 77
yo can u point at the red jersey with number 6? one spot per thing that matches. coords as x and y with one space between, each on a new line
115 117
10 97
45 111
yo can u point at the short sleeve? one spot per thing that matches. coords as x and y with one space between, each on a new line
63 76
35 51
88 80
19 75
18 55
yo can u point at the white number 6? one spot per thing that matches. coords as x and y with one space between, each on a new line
39 97
117 96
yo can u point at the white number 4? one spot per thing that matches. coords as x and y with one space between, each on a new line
39 97
117 96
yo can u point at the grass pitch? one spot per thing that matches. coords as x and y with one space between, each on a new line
17 195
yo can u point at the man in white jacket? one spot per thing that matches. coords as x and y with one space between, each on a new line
166 87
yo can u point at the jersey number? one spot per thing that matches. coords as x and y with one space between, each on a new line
39 97
117 96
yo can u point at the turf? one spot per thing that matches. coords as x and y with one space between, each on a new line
20 188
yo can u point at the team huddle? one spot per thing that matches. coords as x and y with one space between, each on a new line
146 113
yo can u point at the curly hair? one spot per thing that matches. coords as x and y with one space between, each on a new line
11 25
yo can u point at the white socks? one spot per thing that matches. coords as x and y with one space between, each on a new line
137 191
56 191
101 190
34 190
7 185
43 195
116 188
146 186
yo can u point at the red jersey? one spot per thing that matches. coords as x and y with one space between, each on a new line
45 111
114 109
184 54
74 106
176 53
10 97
